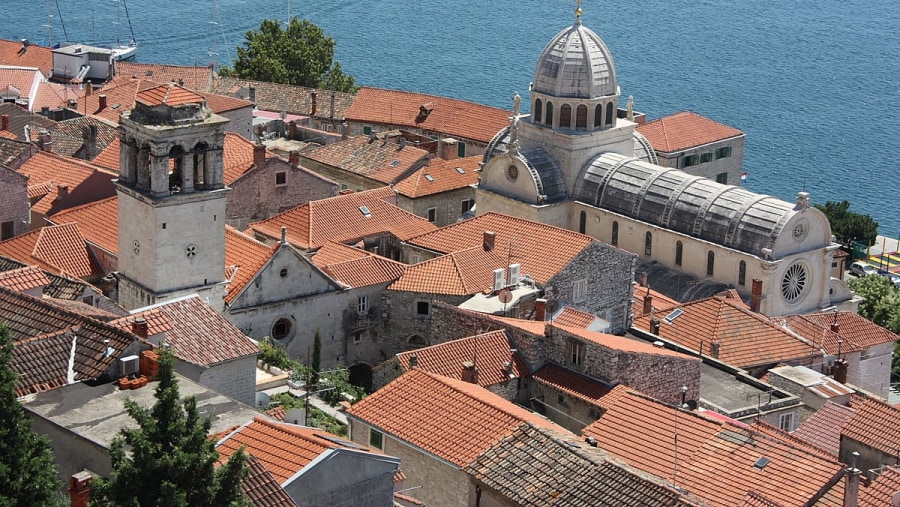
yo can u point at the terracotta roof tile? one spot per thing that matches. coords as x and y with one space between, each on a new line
622 343
539 467
342 219
291 99
572 383
261 488
59 248
99 219
685 130
855 332
379 160
355 267
23 279
460 273
745 338
73 129
5 134
874 423
197 78
440 176
823 428
58 171
12 53
454 420
283 449
490 351
451 117
517 240
169 94
573 317
245 254
24 80
754 499
19 118
882 490
659 303
54 95
197 333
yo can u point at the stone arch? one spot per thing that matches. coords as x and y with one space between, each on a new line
538 110
581 115
565 116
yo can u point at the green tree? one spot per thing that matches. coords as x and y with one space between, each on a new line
27 472
882 300
848 226
172 460
300 55
316 361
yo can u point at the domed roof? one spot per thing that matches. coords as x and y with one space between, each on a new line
576 63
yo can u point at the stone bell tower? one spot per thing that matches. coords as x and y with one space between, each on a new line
171 199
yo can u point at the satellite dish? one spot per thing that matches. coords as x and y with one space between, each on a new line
552 306
505 296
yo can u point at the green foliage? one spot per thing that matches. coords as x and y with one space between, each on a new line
339 379
848 226
882 301
27 471
316 360
300 55
169 458
273 354
317 418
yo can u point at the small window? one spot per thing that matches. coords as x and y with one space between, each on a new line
432 214
375 439
538 109
466 205
362 305
283 273
549 119
581 117
710 263
582 222
565 116
562 400
723 152
461 149
609 115
280 178
357 336
576 352
344 186
594 413
598 115
282 328
706 157
690 160
648 243
88 300
679 250
579 291
786 421
614 241
722 178
7 229
367 130
742 273
423 308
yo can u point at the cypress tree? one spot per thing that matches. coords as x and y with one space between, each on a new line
27 472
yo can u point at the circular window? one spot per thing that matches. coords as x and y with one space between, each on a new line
283 272
513 172
282 328
794 283
800 231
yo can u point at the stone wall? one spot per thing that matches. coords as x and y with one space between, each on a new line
402 322
235 379
710 170
447 205
568 411
14 205
874 369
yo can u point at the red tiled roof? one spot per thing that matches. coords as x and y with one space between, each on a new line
284 449
197 78
196 332
874 423
247 255
23 279
341 219
517 240
685 130
572 383
99 219
169 94
261 488
440 176
882 490
855 332
451 419
459 273
379 160
490 351
60 249
7 135
621 343
572 317
24 80
452 117
54 95
280 97
47 168
12 53
371 270
659 303
745 338
823 428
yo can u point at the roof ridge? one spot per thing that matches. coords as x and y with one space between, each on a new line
454 384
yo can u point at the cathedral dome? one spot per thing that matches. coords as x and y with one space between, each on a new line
576 63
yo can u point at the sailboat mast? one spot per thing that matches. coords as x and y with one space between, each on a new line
128 18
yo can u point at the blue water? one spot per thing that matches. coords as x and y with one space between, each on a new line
814 84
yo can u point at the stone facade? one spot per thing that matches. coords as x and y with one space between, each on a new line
14 205
235 378
872 369
568 411
273 188
241 121
448 206
408 322
723 169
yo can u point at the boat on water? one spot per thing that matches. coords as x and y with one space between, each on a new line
123 51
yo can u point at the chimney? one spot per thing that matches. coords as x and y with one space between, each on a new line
469 372
648 303
345 128
714 349
252 93
489 239
181 82
4 122
332 106
835 327
80 489
413 361
62 191
45 111
259 155
45 140
755 295
839 371
139 327
314 103
89 89
654 326
294 158
283 235
643 279
540 310
851 489
292 130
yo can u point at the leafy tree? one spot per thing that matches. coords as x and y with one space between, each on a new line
299 55
273 354
847 225
172 459
27 472
882 300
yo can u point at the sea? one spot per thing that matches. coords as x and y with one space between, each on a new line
814 84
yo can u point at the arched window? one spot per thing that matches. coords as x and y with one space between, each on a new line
565 116
417 341
679 249
648 243
581 117
609 114
614 241
549 119
598 115
582 222
742 273
710 263
538 109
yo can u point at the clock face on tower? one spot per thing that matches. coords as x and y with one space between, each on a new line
512 171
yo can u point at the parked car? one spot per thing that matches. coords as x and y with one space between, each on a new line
893 277
862 269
